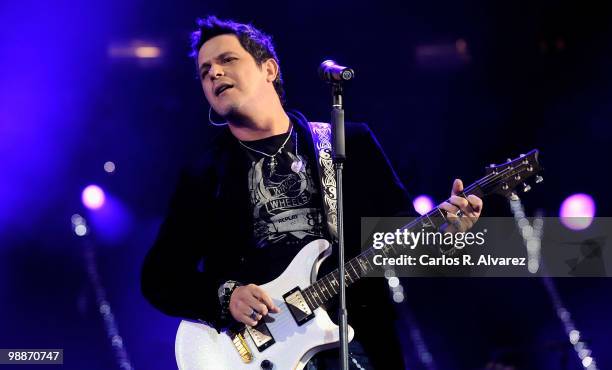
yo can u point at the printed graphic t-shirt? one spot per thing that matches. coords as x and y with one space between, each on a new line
285 204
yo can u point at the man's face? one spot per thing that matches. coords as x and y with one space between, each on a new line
231 79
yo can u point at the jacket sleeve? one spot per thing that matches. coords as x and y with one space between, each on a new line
171 278
377 192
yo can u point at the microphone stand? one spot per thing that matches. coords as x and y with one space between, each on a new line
339 156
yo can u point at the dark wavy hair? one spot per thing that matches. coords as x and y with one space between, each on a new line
254 41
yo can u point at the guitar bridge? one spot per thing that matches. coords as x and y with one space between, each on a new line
298 307
242 347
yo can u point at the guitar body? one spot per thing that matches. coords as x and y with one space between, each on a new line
200 347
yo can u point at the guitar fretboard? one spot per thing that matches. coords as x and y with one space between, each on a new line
328 286
501 179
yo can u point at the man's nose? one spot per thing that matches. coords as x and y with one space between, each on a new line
215 72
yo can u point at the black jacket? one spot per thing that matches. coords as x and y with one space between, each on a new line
206 238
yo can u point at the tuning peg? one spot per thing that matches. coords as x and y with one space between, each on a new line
539 179
521 155
514 197
492 165
509 160
526 187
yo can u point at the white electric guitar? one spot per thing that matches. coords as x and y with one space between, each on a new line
287 340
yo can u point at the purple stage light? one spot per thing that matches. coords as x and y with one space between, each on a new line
577 211
93 197
423 204
109 166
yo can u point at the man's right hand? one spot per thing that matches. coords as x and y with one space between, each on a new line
247 298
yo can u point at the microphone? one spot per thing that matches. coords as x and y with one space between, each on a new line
329 71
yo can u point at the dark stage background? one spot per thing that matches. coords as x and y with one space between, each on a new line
448 87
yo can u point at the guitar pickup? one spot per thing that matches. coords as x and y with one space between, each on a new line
261 336
298 307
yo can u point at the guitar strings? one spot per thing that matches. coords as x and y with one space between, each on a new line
485 181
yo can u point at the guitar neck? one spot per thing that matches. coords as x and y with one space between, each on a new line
500 179
358 267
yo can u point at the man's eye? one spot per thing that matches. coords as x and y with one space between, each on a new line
204 73
228 59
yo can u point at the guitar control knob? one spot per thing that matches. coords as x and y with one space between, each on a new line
267 365
526 187
514 197
539 179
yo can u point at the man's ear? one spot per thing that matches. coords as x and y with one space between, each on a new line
272 69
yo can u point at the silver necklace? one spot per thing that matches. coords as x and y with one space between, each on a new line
296 166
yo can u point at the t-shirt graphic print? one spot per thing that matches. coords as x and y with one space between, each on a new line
283 202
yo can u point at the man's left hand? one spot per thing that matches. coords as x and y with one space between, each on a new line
461 213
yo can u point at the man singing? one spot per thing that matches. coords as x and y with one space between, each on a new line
246 208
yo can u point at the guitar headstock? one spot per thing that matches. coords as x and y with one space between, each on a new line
504 178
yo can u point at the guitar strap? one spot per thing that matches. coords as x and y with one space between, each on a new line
321 135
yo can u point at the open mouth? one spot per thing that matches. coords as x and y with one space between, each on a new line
221 88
